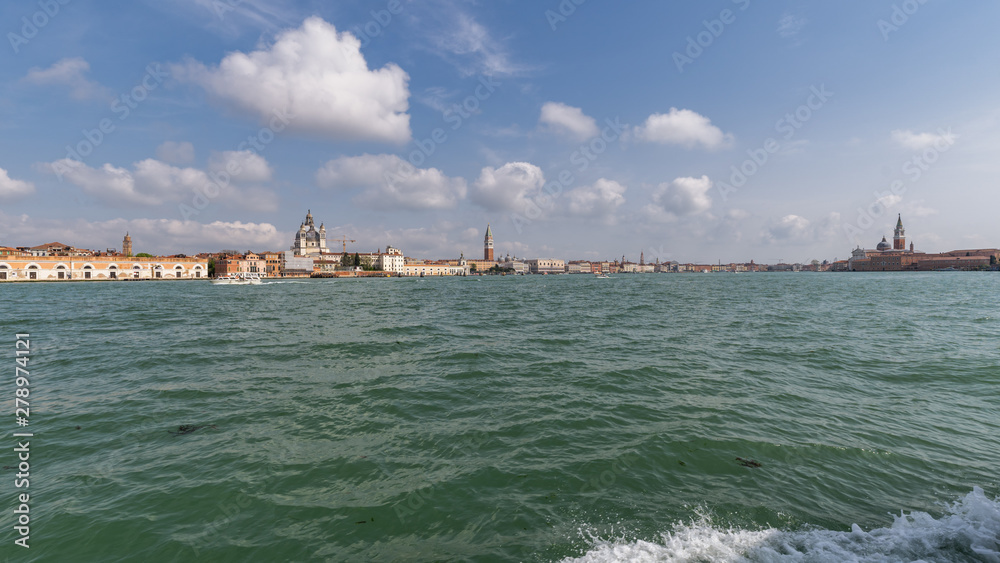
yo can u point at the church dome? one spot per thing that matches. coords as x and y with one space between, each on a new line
883 246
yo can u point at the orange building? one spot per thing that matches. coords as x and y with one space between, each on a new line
249 263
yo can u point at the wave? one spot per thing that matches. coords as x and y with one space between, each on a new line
968 531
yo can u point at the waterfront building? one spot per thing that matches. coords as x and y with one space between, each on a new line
310 241
301 266
546 266
249 263
108 267
272 264
481 266
427 269
57 249
514 263
896 257
391 261
326 264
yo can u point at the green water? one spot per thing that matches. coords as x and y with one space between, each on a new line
507 419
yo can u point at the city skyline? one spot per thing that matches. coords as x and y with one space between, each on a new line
698 133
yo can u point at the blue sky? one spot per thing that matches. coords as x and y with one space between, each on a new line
694 131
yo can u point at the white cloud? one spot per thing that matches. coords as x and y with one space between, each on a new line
243 166
509 187
473 44
921 211
109 183
682 127
11 189
920 141
684 196
796 229
602 198
390 182
68 72
790 228
156 236
569 121
152 182
317 76
790 25
263 14
889 200
175 153
796 146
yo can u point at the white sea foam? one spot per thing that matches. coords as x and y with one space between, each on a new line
968 531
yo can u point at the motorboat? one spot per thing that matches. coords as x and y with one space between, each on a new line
238 278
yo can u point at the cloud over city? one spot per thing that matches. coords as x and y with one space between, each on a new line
569 121
319 77
682 127
388 181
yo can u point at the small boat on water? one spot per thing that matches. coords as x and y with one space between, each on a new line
602 276
238 278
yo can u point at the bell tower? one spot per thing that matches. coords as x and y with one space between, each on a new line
488 244
899 235
127 245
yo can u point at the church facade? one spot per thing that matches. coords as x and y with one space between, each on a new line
310 241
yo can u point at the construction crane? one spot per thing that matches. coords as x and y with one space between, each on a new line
344 240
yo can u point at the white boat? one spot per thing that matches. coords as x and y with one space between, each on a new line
603 277
238 278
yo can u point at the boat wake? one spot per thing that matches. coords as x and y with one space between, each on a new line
968 531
